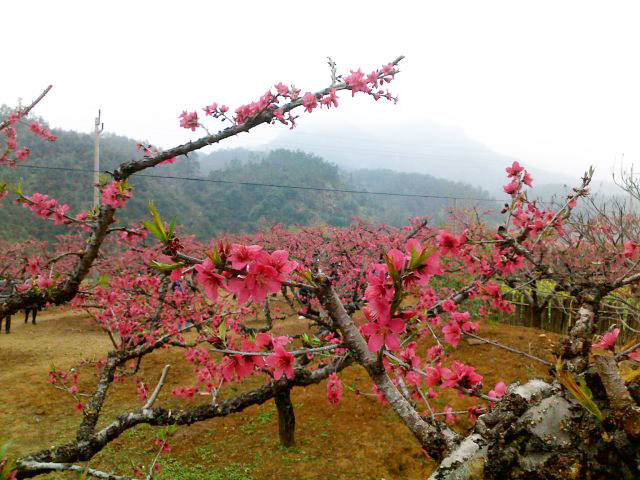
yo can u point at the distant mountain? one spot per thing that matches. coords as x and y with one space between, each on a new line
395 196
421 147
219 159
237 190
251 188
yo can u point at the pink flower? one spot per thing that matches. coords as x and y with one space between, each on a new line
310 102
282 89
356 82
184 392
282 363
514 169
630 249
44 282
330 99
14 117
608 340
241 255
115 194
492 289
433 376
41 204
378 294
462 319
448 305
238 364
165 446
23 153
59 215
396 257
169 161
279 260
451 334
334 389
210 280
526 179
372 78
447 242
42 132
512 187
175 275
260 280
33 266
460 374
211 109
383 332
189 120
434 352
498 390
635 355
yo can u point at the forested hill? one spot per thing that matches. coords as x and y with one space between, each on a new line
226 199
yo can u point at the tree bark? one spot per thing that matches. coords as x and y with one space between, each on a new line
438 440
286 418
539 431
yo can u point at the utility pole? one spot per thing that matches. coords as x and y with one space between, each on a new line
96 161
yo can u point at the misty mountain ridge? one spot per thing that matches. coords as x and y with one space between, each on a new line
241 195
418 147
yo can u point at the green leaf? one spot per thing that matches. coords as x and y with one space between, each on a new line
582 394
308 276
583 386
392 270
157 221
215 257
171 227
154 231
222 333
166 267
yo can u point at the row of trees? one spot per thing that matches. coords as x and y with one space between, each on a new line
393 301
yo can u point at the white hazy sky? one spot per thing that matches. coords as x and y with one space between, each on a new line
554 83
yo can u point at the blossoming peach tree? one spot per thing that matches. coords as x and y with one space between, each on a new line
394 301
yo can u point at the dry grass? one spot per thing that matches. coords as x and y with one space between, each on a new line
357 439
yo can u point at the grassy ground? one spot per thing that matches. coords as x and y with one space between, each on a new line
359 438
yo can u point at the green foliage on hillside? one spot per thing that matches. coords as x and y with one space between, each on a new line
234 207
224 200
438 196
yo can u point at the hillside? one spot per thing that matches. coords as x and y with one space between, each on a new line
227 199
398 195
417 147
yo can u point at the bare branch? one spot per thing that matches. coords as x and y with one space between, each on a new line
155 393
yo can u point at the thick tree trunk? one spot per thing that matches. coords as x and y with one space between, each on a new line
286 418
539 431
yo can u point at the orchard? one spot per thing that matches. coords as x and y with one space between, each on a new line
396 302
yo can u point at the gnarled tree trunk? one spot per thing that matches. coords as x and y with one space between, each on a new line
539 432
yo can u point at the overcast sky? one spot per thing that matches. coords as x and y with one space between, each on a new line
556 84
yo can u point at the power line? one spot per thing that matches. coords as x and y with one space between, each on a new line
272 185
